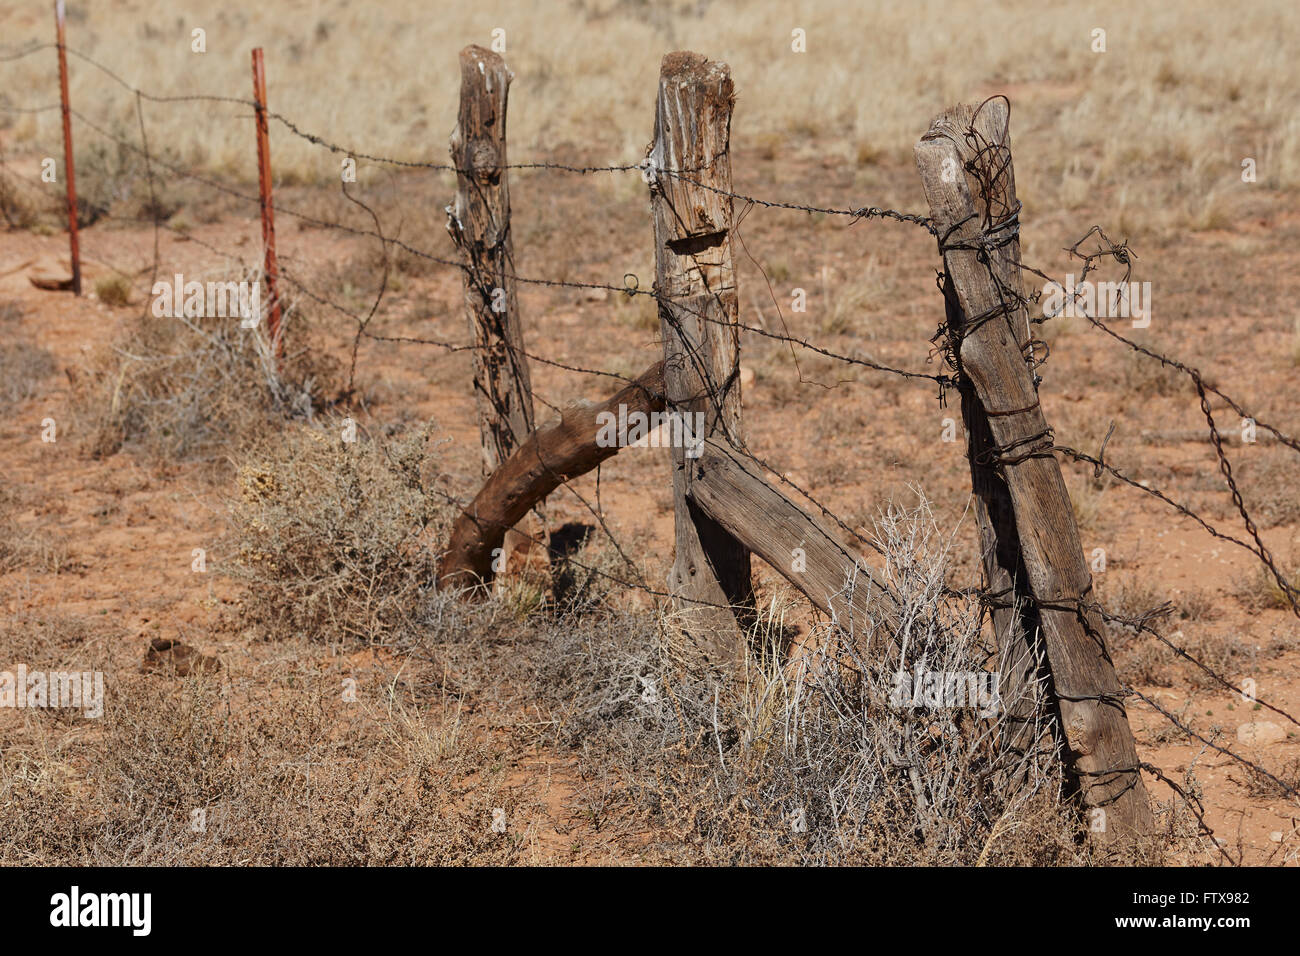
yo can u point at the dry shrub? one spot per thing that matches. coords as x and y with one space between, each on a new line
810 762
1224 654
1143 660
1266 481
192 389
31 548
326 534
1132 595
1258 588
1282 782
113 290
17 208
277 772
1143 376
1140 658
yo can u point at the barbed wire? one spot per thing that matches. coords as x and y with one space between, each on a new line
26 52
942 380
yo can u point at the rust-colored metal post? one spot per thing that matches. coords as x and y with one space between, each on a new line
268 214
69 174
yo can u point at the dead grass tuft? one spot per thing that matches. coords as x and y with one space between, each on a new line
188 389
23 369
326 535
113 290
807 762
199 772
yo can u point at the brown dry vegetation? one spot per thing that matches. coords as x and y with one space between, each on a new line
358 716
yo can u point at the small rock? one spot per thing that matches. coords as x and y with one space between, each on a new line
50 275
1260 733
169 655
595 295
1276 836
746 376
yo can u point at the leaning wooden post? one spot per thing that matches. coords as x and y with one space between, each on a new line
981 253
1022 666
69 171
690 170
479 223
271 266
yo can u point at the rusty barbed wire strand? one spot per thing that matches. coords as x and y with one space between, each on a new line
942 380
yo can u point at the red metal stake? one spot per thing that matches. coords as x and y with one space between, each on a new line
69 173
268 215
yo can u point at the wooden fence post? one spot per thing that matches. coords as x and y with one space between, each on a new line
981 253
69 172
272 267
696 285
1022 664
479 223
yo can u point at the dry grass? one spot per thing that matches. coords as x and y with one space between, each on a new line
327 535
808 762
113 290
1259 589
1182 94
1284 781
283 772
799 761
18 207
195 389
24 367
30 548
1265 477
326 538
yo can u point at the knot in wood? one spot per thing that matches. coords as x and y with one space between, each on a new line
1077 735
484 160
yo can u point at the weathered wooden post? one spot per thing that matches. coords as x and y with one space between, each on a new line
1022 665
479 223
690 170
981 253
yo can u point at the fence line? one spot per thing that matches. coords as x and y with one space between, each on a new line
942 380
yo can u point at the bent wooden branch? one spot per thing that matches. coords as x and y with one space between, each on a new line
550 456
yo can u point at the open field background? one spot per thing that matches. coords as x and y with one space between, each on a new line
1183 93
170 439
